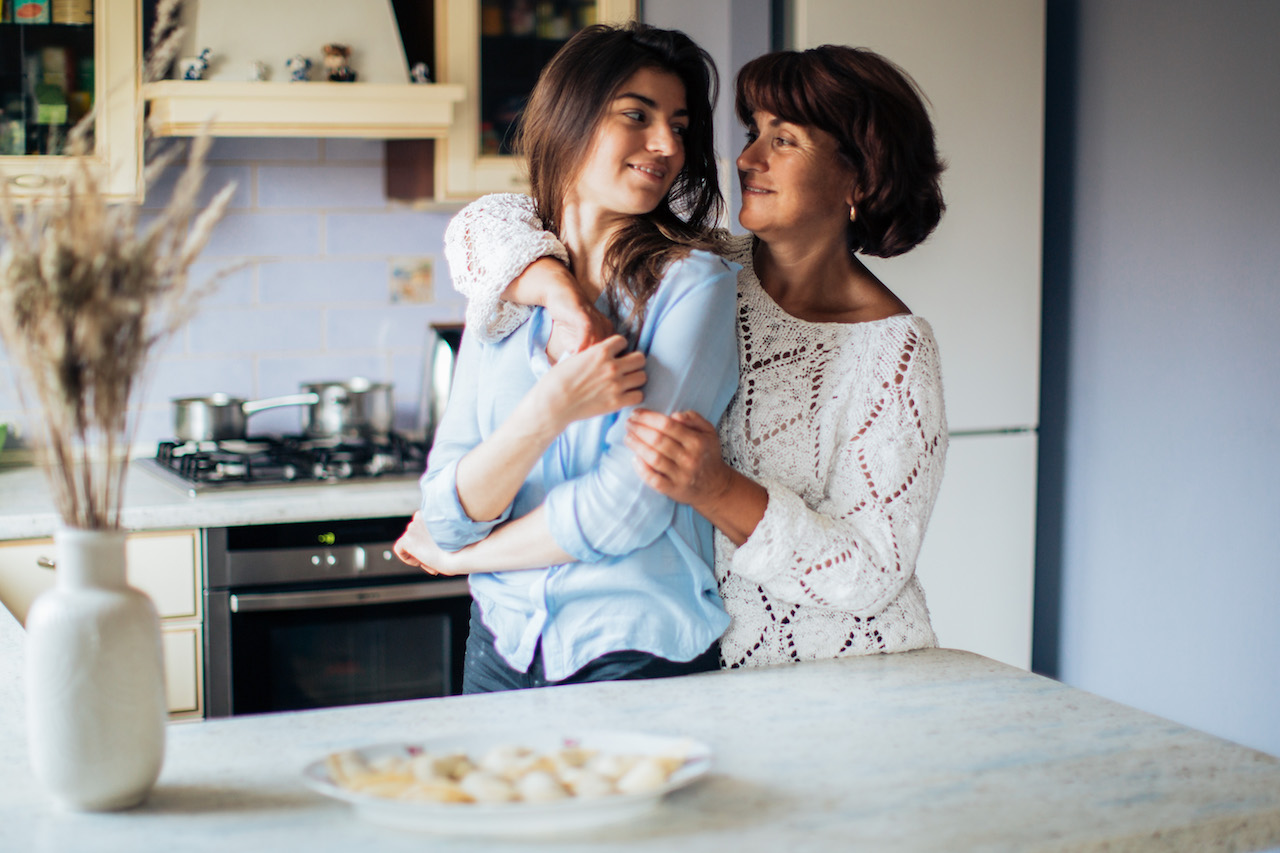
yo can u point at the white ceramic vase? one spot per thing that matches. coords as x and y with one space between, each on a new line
96 706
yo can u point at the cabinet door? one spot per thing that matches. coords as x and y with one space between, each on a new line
52 72
977 560
163 565
496 49
182 682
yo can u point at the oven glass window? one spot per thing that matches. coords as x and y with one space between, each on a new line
291 660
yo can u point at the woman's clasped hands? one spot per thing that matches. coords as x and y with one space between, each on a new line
679 456
598 380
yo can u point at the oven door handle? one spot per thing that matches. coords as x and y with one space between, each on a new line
248 602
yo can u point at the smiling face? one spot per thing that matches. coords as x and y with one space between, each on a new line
638 148
793 181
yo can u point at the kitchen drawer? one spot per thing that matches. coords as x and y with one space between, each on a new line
183 685
166 566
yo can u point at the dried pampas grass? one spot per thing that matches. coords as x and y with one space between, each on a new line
89 288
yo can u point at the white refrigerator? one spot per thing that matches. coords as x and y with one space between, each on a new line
977 281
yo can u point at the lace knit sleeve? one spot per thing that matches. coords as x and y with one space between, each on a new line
488 244
855 548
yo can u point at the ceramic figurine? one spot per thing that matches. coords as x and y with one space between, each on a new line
335 63
194 67
299 68
420 73
258 71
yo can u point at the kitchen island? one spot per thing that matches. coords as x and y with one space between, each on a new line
934 750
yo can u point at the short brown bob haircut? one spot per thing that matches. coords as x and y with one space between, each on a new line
877 115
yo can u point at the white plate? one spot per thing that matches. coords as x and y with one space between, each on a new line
517 819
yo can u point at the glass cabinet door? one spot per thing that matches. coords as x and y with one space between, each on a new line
60 59
498 48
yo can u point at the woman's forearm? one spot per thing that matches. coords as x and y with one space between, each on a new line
492 472
525 543
543 282
738 509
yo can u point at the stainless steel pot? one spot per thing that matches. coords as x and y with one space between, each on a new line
355 408
219 417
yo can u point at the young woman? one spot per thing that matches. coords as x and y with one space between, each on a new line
823 474
527 469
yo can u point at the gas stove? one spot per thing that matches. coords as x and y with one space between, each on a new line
287 460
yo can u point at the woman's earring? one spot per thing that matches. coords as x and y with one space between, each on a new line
853 214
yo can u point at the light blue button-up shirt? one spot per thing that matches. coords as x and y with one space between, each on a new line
643 579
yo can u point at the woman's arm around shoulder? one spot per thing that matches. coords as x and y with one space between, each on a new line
488 244
504 261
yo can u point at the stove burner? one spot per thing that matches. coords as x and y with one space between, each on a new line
289 459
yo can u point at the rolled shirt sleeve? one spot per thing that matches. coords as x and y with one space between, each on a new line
458 433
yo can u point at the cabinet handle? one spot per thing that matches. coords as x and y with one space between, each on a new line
46 563
32 182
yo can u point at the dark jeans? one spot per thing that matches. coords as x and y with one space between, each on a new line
487 672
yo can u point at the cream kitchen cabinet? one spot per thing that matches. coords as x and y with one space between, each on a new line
469 160
166 566
380 104
41 85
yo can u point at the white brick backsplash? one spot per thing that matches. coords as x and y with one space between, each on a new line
337 150
234 287
284 375
404 327
403 232
253 233
237 330
314 237
219 176
255 149
199 377
323 281
329 186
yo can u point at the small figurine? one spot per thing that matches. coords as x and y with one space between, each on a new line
420 73
258 71
335 63
299 68
194 67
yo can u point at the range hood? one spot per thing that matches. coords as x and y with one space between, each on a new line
381 104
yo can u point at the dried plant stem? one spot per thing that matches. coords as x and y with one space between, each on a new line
87 294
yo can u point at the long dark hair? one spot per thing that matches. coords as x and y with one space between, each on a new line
558 127
877 115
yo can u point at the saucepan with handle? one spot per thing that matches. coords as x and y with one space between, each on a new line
221 417
357 408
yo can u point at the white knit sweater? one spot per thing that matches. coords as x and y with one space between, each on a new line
843 423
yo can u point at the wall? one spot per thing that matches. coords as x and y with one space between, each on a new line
1162 361
314 244
733 32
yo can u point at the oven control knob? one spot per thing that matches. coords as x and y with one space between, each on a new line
386 555
331 560
315 559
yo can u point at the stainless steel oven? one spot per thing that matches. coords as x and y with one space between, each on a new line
315 614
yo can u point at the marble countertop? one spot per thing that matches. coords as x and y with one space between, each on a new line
155 503
934 750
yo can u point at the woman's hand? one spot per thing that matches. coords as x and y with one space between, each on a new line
601 379
679 456
416 548
576 322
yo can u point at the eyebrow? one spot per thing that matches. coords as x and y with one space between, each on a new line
647 101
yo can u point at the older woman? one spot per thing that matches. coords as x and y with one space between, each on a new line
829 458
